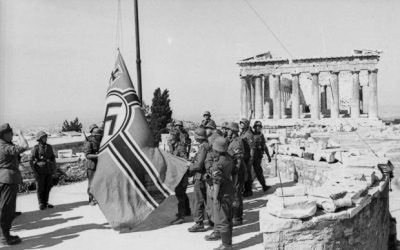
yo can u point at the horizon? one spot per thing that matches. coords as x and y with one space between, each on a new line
56 55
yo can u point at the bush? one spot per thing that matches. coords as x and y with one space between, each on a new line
74 125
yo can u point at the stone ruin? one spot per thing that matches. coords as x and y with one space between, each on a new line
336 199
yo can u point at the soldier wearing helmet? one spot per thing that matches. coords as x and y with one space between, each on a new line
179 145
224 129
43 164
207 119
91 149
248 142
212 132
198 170
260 148
239 175
221 177
10 178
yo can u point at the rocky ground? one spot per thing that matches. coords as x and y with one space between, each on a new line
75 225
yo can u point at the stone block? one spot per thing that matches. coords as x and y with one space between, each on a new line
298 190
272 224
291 207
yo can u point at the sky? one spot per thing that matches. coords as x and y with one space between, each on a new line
56 55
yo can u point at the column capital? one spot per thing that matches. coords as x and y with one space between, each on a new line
336 72
276 74
315 73
244 76
373 71
356 71
295 73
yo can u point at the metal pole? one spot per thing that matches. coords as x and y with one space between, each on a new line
138 61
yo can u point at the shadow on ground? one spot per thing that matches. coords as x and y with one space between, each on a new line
46 218
36 219
56 237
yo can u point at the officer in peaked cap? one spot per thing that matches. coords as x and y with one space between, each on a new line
43 164
223 190
198 170
207 119
260 148
91 149
10 178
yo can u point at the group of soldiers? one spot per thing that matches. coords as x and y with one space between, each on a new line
43 166
222 171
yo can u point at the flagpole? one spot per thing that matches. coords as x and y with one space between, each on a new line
138 61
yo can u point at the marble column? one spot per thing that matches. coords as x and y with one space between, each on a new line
365 98
355 98
253 95
335 94
267 98
315 107
324 100
243 95
259 97
295 96
248 97
373 94
276 96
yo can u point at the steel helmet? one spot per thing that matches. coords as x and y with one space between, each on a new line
179 123
220 144
245 122
233 126
206 113
40 134
257 124
91 127
200 133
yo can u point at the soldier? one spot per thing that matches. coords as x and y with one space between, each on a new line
212 132
260 149
91 127
92 146
179 146
224 129
10 178
198 170
248 142
221 174
207 119
239 175
43 164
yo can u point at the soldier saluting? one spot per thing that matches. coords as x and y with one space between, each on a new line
10 177
43 164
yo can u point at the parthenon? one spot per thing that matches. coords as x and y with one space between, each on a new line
314 87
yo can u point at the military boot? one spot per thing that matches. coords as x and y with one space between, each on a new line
198 227
226 241
215 235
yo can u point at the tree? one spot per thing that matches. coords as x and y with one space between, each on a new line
161 113
74 125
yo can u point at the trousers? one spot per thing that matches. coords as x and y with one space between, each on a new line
8 199
223 218
259 174
238 183
44 184
209 202
90 174
183 199
200 197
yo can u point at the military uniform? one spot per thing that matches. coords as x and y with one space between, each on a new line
92 147
259 149
206 122
221 171
198 170
178 147
239 175
10 178
43 164
248 144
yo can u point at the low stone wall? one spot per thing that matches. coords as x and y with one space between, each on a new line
365 225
